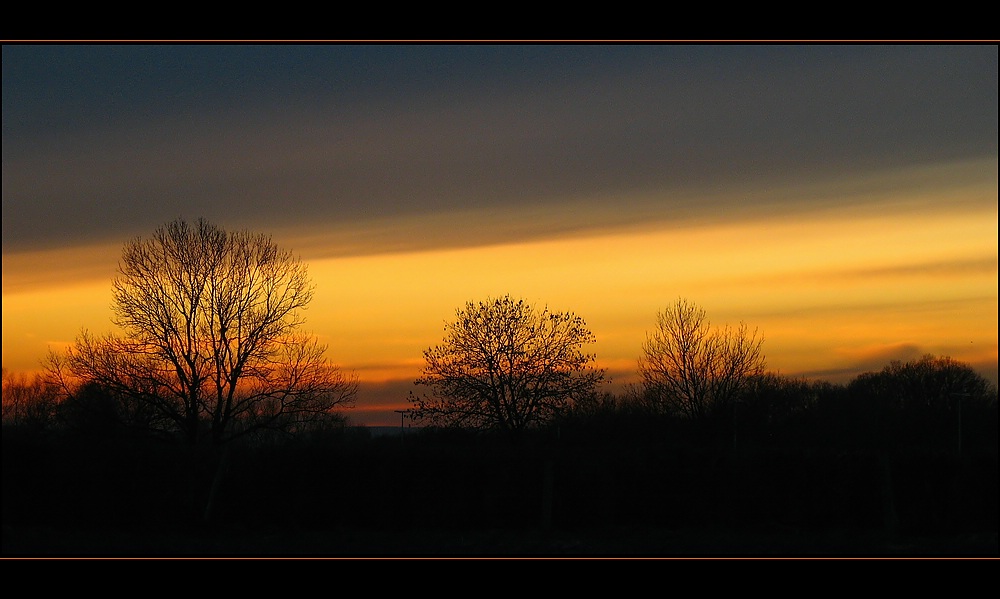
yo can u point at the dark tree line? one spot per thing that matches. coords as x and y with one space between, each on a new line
802 457
933 403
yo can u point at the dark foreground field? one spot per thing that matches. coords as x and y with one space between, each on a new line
631 543
638 493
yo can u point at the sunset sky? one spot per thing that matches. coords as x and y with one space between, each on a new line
842 199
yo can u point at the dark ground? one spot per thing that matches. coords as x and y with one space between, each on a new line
608 543
638 490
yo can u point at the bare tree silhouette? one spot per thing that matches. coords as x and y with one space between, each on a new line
29 401
212 336
505 365
689 368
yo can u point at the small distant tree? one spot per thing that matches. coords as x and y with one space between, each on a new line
504 365
775 398
97 411
929 401
694 370
925 385
29 401
212 338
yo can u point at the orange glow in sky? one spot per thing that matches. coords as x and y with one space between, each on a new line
824 292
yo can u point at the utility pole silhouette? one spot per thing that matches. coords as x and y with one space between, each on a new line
402 417
958 420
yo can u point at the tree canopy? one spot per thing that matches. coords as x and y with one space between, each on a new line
690 368
212 336
928 384
505 365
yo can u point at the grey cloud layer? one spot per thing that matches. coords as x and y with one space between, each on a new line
439 130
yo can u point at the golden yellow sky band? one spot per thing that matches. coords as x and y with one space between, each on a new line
816 288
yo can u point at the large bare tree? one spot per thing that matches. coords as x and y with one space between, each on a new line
505 365
211 336
692 369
